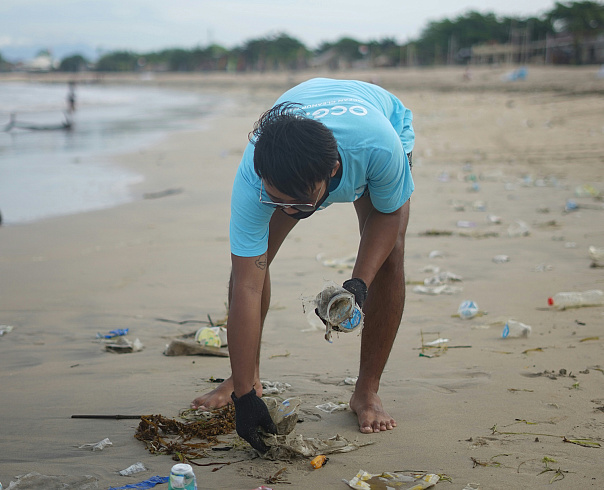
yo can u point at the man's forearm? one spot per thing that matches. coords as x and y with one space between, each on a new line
378 238
244 338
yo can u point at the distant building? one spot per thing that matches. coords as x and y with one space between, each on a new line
563 48
44 62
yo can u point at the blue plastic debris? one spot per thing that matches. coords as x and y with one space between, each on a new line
113 333
150 483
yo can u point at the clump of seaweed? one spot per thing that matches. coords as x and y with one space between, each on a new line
185 440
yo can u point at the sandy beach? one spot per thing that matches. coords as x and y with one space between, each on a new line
495 413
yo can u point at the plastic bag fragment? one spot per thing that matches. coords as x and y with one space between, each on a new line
364 480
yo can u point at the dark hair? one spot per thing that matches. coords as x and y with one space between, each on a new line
292 151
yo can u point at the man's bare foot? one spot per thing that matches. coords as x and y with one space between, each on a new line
372 416
220 396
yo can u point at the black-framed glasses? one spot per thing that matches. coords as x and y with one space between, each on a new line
305 207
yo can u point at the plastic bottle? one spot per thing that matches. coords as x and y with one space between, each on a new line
343 312
573 299
182 477
515 329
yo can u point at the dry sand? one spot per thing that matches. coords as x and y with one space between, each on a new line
526 144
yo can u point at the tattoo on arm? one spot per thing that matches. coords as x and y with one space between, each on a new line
261 262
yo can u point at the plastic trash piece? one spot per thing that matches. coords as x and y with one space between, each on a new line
338 308
273 387
133 469
332 407
514 328
467 310
575 299
97 446
5 329
318 461
518 228
113 333
212 336
571 206
436 290
144 485
364 480
182 477
595 254
500 259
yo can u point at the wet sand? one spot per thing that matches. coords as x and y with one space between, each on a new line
514 150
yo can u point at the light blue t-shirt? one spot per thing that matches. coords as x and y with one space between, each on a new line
374 135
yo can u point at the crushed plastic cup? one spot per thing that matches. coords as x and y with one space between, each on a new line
467 309
516 329
212 336
518 228
133 469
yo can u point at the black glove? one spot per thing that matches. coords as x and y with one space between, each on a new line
357 287
250 414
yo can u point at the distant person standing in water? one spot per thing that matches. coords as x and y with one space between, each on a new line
71 98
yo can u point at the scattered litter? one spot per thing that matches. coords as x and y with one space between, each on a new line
417 481
35 480
274 387
570 206
97 446
479 206
351 380
122 346
437 343
586 190
4 329
186 347
467 309
436 254
543 268
493 220
330 407
500 259
518 228
113 333
515 328
285 444
133 469
432 269
436 290
346 262
212 336
337 308
576 299
596 254
318 461
144 485
442 278
465 224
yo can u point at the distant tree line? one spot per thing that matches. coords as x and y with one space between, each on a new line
444 41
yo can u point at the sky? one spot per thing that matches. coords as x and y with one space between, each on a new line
93 27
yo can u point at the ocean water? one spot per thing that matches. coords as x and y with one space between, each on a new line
54 172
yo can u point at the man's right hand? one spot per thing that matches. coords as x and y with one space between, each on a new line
251 413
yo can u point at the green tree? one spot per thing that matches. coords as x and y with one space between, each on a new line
118 61
584 20
73 63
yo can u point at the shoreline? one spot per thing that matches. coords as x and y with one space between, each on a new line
68 278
